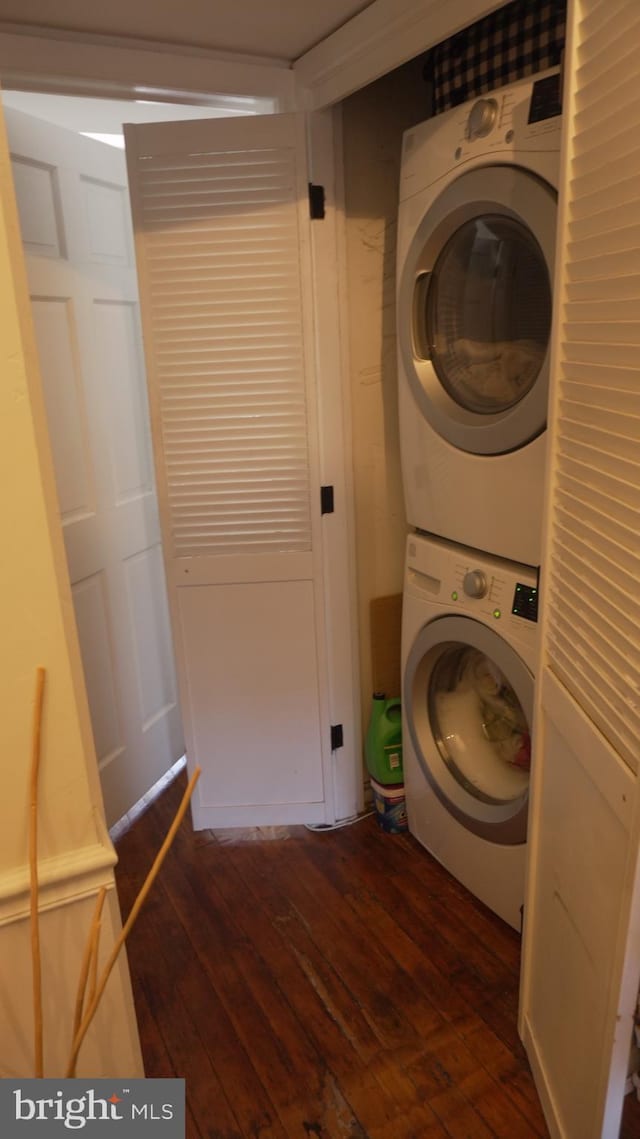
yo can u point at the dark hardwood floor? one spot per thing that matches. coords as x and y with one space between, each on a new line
324 985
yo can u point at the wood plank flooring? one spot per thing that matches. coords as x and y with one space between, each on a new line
324 985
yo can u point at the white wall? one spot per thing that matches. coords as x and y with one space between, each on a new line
36 618
373 122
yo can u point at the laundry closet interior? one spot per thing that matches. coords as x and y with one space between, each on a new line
485 494
468 266
442 408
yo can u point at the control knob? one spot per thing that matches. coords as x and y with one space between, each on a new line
475 583
482 117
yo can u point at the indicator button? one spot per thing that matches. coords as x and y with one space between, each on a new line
454 595
497 613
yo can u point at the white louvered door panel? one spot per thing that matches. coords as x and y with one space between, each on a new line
222 240
582 928
222 232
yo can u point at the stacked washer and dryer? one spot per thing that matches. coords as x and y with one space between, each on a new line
476 239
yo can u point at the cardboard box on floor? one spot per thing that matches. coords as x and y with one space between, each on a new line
386 625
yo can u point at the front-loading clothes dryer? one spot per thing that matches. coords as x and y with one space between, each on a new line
469 643
476 241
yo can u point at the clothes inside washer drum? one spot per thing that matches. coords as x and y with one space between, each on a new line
465 727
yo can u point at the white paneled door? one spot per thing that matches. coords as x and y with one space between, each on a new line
224 248
76 230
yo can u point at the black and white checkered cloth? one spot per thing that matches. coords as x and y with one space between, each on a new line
520 39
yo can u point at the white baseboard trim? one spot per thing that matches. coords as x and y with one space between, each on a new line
126 822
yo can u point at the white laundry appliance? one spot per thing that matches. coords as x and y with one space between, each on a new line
476 241
469 645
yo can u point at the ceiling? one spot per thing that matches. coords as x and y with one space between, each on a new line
273 29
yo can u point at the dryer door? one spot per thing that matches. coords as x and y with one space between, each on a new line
475 309
468 700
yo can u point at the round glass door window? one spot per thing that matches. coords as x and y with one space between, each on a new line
478 725
475 306
484 317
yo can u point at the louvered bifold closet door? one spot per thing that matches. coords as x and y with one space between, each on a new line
221 217
594 642
581 964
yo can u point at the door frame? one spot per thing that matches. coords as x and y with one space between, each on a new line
345 797
373 42
55 62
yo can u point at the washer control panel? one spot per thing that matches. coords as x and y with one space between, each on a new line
494 590
499 587
525 601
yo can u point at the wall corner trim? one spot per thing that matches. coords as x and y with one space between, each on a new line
377 40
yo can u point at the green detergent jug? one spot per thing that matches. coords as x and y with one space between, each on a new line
383 746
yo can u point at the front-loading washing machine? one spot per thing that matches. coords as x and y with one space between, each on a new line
476 241
469 644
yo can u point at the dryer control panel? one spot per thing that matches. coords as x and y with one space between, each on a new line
545 102
501 126
546 98
516 115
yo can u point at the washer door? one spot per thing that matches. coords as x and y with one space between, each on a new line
475 309
468 700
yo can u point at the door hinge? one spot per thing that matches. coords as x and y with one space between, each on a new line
326 500
337 738
316 202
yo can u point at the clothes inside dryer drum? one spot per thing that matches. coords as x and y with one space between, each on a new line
487 317
479 726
